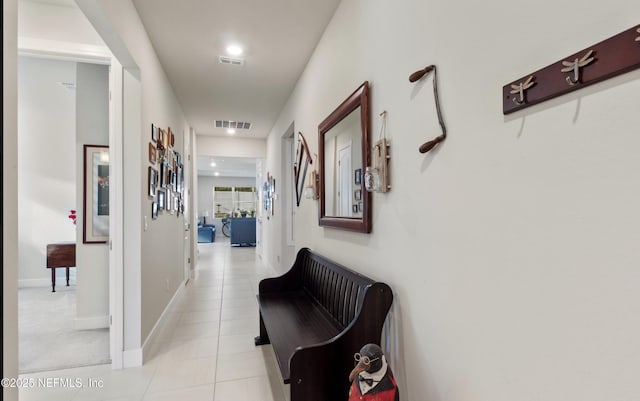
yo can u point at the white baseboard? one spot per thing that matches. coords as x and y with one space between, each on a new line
132 358
89 323
34 282
148 343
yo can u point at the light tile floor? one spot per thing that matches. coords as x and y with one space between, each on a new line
203 352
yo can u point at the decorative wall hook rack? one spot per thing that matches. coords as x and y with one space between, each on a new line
612 57
416 76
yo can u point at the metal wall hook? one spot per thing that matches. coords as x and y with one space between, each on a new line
575 66
520 88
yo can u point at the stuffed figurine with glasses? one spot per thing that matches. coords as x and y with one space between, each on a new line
372 379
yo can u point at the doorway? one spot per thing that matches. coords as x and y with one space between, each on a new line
344 181
62 105
227 188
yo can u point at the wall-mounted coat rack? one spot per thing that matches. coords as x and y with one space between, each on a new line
607 59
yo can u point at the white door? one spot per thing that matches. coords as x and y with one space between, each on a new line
344 177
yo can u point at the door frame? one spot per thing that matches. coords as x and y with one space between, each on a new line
75 52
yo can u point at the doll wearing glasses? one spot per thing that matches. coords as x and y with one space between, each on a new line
372 379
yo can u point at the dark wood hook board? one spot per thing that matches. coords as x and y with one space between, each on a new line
607 59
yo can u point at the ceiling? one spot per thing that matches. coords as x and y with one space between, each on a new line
278 37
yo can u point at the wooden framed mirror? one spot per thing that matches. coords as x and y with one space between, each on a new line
343 147
300 165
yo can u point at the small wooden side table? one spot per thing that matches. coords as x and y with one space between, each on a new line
62 254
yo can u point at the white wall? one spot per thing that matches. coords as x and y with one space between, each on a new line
512 247
52 22
132 147
46 163
231 147
9 195
162 244
65 27
92 128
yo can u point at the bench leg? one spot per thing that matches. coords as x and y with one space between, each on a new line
263 338
67 276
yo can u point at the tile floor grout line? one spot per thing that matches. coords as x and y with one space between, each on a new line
215 375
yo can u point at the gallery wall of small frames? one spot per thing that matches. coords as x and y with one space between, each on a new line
165 174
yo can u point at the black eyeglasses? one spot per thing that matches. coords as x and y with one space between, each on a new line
364 359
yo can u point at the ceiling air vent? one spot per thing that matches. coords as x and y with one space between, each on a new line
68 85
233 124
231 60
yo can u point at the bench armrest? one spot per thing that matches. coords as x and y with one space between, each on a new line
289 281
315 366
313 373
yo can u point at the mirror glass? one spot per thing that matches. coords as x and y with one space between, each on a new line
344 154
342 158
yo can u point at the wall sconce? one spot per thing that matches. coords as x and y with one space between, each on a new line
376 176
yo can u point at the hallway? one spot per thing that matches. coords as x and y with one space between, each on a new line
204 351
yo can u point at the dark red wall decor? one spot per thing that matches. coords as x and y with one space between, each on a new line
607 59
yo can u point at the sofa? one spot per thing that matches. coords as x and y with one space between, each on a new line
206 232
243 231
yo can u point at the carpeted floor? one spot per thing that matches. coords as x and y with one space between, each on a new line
48 338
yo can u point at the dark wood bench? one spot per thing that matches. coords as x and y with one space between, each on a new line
316 316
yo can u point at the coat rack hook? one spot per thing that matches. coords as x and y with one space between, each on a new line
575 66
520 89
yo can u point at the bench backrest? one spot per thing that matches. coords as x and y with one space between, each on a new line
339 290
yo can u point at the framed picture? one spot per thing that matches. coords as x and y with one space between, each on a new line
171 138
153 181
172 180
154 211
169 203
163 139
161 151
354 208
155 133
161 199
357 194
272 189
180 179
96 194
360 206
163 174
153 153
358 176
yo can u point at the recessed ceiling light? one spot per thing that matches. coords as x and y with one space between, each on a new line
234 50
213 164
231 131
216 174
